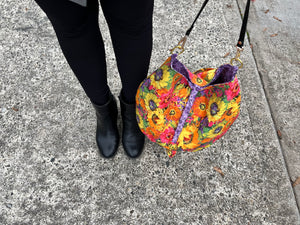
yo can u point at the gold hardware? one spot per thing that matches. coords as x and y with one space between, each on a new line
237 57
238 60
180 45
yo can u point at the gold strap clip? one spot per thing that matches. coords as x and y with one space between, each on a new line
180 45
237 57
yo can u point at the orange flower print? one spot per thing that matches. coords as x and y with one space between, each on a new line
138 92
198 81
154 133
184 93
161 91
200 105
238 99
156 119
173 113
142 103
205 140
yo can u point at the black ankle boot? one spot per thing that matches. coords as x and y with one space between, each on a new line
132 138
107 135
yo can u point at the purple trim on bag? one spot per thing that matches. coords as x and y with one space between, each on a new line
224 74
180 68
185 115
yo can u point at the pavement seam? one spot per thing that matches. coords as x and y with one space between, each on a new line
271 112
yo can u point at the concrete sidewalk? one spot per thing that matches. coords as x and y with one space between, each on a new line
51 173
274 34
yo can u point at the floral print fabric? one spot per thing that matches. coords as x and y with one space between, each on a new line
187 111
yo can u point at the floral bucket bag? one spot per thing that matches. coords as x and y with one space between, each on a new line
181 110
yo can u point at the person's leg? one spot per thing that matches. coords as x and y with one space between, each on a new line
78 34
130 25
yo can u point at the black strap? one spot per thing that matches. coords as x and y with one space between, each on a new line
190 29
243 29
244 26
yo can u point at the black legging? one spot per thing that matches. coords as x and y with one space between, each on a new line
78 33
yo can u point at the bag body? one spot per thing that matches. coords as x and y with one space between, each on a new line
181 110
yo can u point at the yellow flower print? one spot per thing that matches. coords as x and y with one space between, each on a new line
167 78
232 111
188 138
156 79
216 108
210 74
151 102
156 119
206 73
172 123
160 78
216 131
178 87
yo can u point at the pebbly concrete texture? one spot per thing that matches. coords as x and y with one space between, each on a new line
274 34
51 172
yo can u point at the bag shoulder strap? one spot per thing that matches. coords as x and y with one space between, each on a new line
187 33
240 42
244 26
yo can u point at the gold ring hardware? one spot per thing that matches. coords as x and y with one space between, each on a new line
238 60
179 46
237 57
